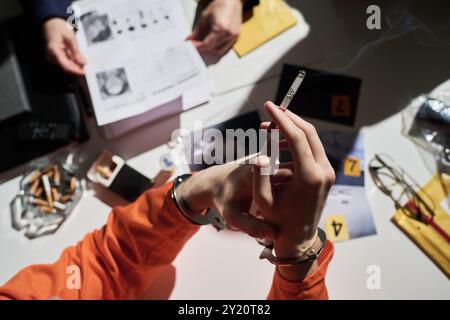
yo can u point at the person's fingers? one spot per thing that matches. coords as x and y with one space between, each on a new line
311 135
196 43
194 35
287 165
223 45
298 144
75 52
283 145
224 48
250 225
262 188
221 41
265 125
310 132
282 175
200 29
59 56
210 41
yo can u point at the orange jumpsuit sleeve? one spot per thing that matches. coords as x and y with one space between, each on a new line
311 288
116 261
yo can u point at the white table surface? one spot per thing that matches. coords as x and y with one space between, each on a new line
225 265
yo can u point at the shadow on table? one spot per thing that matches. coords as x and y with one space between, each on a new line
407 57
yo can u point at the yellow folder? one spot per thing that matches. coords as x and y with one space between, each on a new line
424 235
270 18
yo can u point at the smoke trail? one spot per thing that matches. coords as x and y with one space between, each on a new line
397 21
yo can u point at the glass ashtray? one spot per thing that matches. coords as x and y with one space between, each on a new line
47 196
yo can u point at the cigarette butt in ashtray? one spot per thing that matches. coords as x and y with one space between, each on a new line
66 198
72 185
104 171
37 201
36 175
48 190
57 175
47 209
39 192
34 187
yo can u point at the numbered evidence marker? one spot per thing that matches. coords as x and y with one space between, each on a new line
336 228
352 167
340 106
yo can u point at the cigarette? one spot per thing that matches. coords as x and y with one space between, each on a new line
36 175
57 176
47 209
290 95
72 185
47 169
58 205
38 192
66 198
104 171
55 194
48 190
293 90
34 187
38 202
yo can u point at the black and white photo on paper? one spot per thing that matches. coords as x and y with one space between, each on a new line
113 83
97 27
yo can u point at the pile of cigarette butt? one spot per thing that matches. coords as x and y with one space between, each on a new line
104 172
49 189
46 198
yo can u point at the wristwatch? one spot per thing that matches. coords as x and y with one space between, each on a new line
211 216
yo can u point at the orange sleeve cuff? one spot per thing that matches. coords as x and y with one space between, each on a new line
311 288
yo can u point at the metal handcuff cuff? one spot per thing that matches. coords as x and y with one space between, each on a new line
214 218
211 216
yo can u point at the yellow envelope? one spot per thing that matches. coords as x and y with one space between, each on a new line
270 18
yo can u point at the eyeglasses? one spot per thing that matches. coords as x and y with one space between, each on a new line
401 188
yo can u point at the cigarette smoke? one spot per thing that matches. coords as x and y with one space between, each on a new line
398 21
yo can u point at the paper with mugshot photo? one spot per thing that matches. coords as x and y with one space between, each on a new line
138 58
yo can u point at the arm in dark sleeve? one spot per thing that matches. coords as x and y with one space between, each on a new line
42 10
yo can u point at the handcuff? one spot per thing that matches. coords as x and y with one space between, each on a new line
214 218
310 254
211 216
